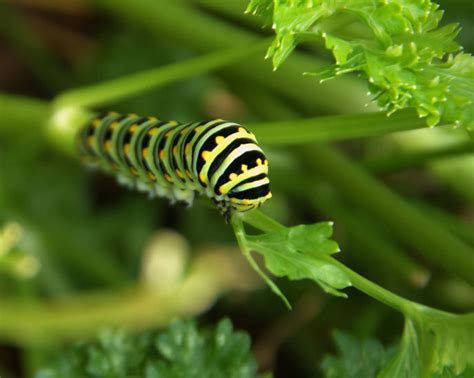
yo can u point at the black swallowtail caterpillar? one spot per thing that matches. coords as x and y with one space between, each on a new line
217 158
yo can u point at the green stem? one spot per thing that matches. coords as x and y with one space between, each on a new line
107 92
295 130
22 115
262 222
30 112
334 127
403 220
237 225
405 306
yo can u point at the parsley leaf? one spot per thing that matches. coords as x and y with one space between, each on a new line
438 345
356 358
182 350
301 252
398 46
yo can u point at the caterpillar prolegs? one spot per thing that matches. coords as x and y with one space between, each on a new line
218 158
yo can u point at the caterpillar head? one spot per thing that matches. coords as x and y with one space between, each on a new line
251 192
238 201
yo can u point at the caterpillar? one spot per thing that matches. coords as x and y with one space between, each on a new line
217 158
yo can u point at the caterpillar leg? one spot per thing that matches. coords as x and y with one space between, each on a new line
143 186
126 181
184 195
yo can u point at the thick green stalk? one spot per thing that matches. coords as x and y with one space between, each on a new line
180 23
33 114
334 127
22 115
406 222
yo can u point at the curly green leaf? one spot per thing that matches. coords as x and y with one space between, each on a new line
398 46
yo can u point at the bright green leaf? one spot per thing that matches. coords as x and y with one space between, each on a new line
301 252
402 52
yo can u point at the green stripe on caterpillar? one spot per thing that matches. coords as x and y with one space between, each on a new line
216 158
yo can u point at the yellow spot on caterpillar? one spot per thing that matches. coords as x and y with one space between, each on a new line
202 178
151 176
234 200
96 122
108 145
244 167
219 139
113 125
168 133
130 115
189 174
153 131
206 155
144 153
222 190
187 149
265 162
246 202
90 140
259 161
173 122
233 176
162 154
242 130
133 128
269 195
126 148
175 149
151 118
168 177
179 173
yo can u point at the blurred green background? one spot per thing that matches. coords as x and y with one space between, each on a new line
66 230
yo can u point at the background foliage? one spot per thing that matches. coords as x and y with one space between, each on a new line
79 253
